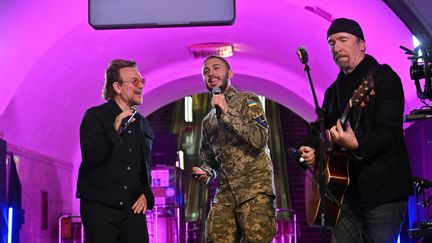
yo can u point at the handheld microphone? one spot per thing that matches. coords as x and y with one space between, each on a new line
302 54
128 120
217 91
296 155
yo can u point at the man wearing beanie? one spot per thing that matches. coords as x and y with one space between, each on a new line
379 170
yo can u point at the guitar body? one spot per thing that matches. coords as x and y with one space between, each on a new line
336 180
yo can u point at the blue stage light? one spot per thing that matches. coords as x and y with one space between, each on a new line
10 217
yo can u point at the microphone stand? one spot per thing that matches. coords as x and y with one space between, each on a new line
321 175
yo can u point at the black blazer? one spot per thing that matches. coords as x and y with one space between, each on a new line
103 169
379 170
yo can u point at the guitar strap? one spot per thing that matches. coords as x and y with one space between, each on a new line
372 71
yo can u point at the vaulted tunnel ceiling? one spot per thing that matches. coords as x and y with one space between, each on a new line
53 62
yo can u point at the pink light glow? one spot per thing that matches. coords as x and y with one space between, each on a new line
53 62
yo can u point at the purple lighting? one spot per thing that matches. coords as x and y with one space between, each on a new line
170 192
60 67
53 62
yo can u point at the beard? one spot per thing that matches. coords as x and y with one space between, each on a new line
223 86
342 62
137 102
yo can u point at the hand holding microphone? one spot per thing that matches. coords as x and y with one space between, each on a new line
297 157
124 119
218 101
308 155
199 175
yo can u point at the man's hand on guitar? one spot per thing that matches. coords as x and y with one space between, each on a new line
308 154
345 138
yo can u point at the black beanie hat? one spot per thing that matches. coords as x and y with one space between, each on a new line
345 25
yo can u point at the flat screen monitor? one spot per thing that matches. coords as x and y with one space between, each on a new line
124 14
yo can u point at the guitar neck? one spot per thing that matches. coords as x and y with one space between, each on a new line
346 114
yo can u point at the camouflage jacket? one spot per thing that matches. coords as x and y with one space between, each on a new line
234 148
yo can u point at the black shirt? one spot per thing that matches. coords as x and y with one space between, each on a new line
115 168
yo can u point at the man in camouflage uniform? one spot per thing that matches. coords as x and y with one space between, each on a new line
234 149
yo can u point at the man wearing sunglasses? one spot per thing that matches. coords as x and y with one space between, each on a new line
114 180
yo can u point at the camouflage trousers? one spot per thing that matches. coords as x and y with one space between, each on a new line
251 221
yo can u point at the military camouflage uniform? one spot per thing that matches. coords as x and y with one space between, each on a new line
234 149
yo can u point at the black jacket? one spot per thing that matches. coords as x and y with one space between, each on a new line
115 169
379 170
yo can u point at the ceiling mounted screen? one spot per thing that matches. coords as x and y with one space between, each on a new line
123 14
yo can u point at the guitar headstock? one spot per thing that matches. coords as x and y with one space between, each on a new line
359 97
362 93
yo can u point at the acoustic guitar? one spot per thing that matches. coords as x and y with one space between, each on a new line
336 168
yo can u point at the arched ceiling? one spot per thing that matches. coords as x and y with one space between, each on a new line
53 62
